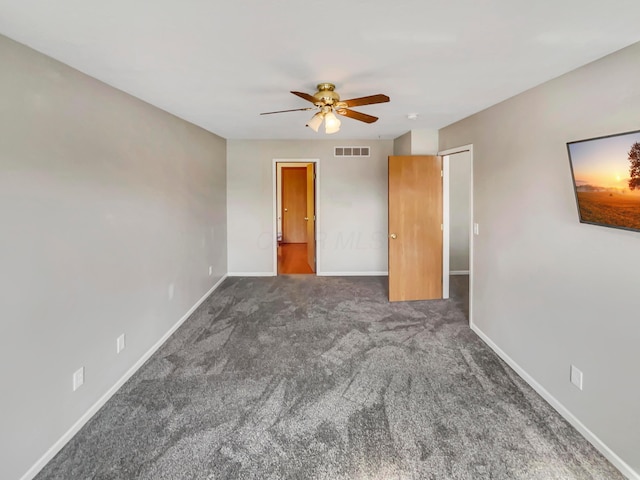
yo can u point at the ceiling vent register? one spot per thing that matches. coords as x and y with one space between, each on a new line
351 152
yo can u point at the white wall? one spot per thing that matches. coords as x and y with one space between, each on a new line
548 290
105 201
459 211
352 205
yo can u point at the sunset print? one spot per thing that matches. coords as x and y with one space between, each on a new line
606 174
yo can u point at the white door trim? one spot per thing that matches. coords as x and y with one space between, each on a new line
274 214
446 222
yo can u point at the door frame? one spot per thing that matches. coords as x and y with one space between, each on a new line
446 223
274 215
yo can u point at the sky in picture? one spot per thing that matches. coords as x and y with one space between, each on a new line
603 162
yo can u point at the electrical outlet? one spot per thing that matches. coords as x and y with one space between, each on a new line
120 343
576 377
171 291
78 378
210 270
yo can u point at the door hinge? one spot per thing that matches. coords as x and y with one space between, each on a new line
442 227
442 173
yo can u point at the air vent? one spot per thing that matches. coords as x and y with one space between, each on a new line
351 152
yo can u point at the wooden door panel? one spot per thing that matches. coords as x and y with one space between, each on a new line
294 204
415 219
311 217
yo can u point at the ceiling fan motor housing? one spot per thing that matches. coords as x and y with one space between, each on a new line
326 94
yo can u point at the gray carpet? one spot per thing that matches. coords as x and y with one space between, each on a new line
321 378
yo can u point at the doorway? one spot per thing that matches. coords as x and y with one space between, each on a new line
459 228
295 217
443 250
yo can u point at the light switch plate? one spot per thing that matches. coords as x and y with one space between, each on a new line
78 378
576 377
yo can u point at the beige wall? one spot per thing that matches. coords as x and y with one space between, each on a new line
550 291
105 202
419 141
402 144
352 204
424 141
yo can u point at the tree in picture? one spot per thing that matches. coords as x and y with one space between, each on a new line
634 169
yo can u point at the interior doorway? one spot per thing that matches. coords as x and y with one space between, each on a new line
295 212
459 227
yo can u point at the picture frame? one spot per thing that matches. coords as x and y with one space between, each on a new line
606 179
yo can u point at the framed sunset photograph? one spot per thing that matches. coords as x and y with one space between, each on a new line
606 179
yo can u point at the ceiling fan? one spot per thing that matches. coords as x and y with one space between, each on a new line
328 103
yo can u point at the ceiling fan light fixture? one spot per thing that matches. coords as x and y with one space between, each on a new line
328 103
315 122
331 123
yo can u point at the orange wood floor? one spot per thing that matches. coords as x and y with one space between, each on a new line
292 258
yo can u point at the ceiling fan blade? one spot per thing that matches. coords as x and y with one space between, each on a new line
293 110
371 99
306 96
363 117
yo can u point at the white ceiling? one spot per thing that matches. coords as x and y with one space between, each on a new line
220 63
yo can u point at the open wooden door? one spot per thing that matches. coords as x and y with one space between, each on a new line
294 204
415 228
311 217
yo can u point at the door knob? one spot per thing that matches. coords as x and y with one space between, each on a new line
306 219
286 209
393 236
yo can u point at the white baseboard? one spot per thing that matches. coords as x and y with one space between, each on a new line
68 435
251 274
352 274
459 272
620 464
